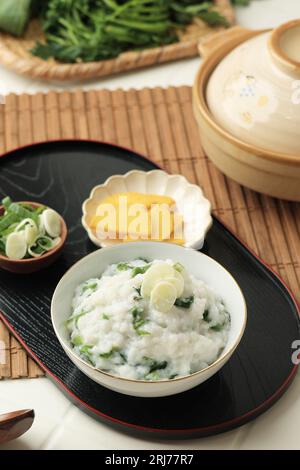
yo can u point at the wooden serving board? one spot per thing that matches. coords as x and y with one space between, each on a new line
15 52
158 123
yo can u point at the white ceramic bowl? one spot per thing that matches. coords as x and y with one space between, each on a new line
189 198
200 265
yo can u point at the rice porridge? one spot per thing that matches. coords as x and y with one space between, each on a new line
148 320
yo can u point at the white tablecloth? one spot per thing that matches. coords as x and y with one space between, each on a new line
58 423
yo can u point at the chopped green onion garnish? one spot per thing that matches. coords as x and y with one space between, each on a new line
25 219
6 202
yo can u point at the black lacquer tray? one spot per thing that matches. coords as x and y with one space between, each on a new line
61 175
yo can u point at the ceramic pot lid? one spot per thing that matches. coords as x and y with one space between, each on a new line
254 92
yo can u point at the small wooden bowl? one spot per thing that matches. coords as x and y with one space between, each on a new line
31 265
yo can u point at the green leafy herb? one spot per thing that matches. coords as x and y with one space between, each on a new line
140 270
206 316
213 18
184 302
217 327
123 266
152 376
75 318
138 320
185 11
123 357
91 286
138 290
138 296
138 316
153 364
85 349
77 341
178 267
142 332
242 3
109 354
91 30
105 316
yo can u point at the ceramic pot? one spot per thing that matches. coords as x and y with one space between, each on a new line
246 99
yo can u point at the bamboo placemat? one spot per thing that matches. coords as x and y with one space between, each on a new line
15 52
158 123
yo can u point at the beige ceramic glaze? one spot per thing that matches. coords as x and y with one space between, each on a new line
254 98
247 104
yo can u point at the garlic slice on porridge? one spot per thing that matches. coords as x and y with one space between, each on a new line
163 296
177 281
156 273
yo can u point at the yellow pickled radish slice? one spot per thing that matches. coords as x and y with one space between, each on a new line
163 296
30 233
51 222
16 247
177 281
155 273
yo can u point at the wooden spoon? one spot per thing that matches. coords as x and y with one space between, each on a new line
14 424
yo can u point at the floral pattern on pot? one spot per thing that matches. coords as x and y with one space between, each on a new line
248 100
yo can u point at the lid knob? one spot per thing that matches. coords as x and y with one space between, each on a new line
284 44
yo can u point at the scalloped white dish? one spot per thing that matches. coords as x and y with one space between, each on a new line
190 202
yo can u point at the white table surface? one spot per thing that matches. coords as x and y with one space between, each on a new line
58 423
